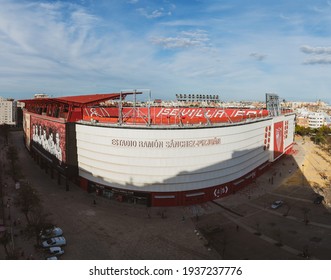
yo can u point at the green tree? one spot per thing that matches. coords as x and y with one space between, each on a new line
324 130
301 130
318 139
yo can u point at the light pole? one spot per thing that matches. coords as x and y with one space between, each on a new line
11 226
303 175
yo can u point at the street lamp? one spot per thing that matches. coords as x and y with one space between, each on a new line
303 175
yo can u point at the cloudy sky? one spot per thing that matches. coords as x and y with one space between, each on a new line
236 48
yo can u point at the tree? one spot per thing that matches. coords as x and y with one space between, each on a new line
301 130
5 240
4 132
27 200
325 130
39 220
12 156
318 138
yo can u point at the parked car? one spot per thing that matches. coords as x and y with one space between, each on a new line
51 232
55 241
276 204
51 258
319 199
56 251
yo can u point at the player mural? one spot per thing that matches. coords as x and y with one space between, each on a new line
26 129
278 139
50 136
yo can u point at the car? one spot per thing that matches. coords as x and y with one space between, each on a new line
56 251
319 199
54 241
276 204
51 258
51 232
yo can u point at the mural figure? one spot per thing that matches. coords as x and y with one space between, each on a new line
58 150
49 138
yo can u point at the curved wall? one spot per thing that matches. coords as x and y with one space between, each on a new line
170 160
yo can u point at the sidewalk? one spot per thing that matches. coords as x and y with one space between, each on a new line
13 218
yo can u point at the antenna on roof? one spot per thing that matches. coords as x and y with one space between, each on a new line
149 108
120 117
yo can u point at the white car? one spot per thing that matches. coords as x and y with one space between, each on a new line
276 204
52 232
56 251
51 258
55 241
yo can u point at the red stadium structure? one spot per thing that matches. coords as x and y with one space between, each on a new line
153 154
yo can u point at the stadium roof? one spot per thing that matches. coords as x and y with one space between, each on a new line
80 100
88 99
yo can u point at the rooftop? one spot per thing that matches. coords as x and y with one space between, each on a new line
78 100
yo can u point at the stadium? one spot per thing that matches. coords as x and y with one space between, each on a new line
152 154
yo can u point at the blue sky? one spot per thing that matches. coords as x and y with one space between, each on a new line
238 49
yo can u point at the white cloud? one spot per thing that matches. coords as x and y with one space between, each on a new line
184 22
161 12
42 30
315 50
318 60
152 13
317 55
258 56
183 40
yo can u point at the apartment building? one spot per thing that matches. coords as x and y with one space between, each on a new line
318 119
7 111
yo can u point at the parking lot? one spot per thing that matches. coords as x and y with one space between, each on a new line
241 226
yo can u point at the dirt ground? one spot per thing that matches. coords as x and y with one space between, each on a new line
241 226
315 170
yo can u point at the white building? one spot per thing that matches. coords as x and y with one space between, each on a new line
41 95
316 120
303 112
7 111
